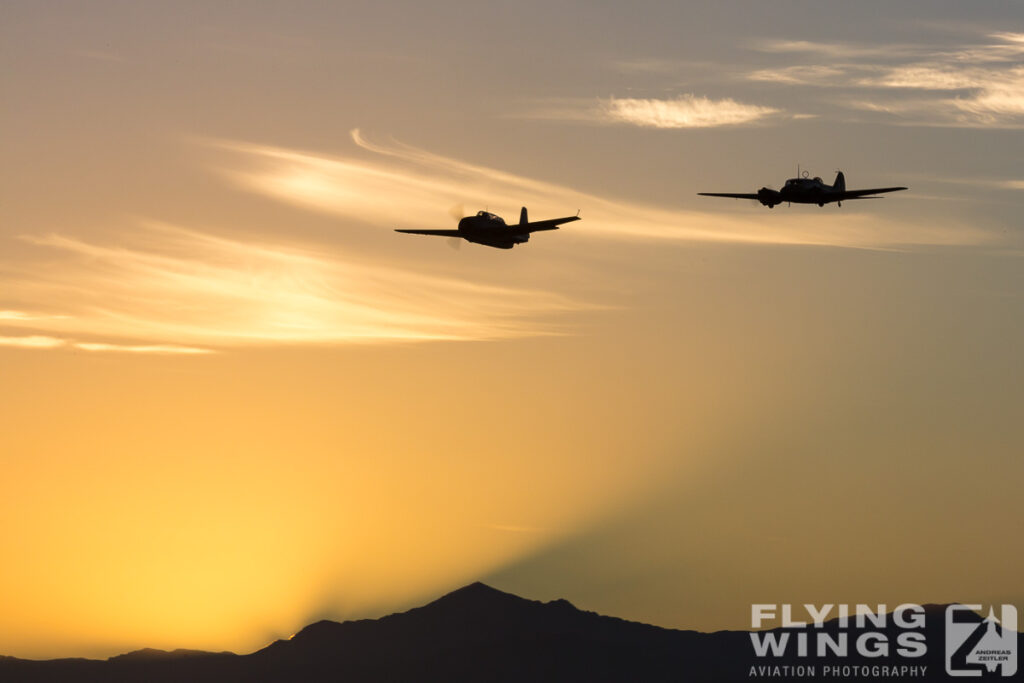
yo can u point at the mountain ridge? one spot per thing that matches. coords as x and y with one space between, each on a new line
474 633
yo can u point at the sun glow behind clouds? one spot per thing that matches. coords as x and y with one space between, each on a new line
403 186
177 286
174 290
150 348
32 342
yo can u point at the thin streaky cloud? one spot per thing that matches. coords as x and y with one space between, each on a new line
460 169
1012 38
683 111
839 50
929 77
996 109
127 348
33 342
23 316
971 85
46 342
1000 99
1007 47
408 187
15 315
1002 46
992 184
991 191
183 291
686 111
812 74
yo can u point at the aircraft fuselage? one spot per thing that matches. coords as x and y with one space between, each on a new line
492 231
801 191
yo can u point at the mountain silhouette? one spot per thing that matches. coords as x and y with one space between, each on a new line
477 633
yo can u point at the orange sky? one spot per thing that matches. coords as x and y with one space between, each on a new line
234 401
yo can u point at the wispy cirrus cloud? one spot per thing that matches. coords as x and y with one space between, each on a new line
682 111
802 74
928 77
32 342
403 186
839 50
141 348
987 183
998 100
40 320
685 111
167 289
971 85
18 315
986 98
173 290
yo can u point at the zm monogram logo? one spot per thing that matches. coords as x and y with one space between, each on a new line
974 647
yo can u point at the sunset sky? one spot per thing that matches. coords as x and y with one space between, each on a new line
234 401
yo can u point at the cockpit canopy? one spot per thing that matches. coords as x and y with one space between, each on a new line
489 216
803 181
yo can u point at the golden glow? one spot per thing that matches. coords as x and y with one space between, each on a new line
32 342
234 499
686 111
184 287
681 111
15 315
128 348
365 191
233 401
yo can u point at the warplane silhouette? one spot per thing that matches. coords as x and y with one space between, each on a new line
805 190
492 231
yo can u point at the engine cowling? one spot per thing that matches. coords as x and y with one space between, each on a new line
768 197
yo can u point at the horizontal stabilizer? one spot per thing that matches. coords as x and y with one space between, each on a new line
550 224
857 194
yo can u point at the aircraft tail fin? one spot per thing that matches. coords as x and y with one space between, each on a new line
840 183
523 220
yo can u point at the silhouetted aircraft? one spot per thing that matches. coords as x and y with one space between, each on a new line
804 190
492 231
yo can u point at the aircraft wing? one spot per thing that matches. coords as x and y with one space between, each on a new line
728 194
860 194
550 224
442 233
